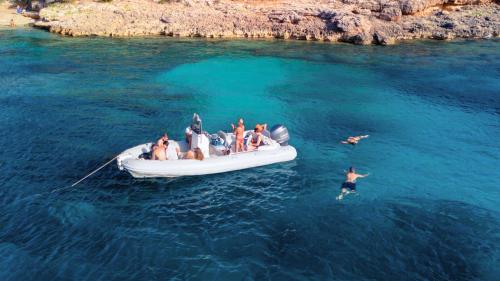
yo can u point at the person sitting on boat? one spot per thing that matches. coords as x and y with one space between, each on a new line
256 139
158 152
172 150
349 185
149 156
194 154
198 154
188 135
161 141
354 140
239 132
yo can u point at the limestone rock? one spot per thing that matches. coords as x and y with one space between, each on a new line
391 13
382 39
355 28
356 21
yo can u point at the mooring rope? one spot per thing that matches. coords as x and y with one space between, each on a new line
88 175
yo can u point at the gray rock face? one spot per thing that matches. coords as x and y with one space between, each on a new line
382 39
409 7
356 21
391 13
354 28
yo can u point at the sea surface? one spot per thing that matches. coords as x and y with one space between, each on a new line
429 210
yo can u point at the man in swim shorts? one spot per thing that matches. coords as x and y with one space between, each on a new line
354 140
349 185
239 132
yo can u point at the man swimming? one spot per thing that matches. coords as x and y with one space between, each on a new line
239 132
349 185
354 140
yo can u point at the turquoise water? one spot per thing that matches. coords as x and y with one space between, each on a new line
428 211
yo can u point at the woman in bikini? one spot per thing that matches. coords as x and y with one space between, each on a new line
239 132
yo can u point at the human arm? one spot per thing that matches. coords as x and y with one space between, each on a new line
362 176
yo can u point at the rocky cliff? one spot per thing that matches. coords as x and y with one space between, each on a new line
355 21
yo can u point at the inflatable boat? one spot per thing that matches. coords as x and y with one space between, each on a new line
218 151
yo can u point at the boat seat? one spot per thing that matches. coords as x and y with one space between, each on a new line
227 139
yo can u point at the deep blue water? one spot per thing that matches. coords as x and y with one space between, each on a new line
430 210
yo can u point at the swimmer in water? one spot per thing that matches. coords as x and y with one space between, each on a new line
354 140
349 185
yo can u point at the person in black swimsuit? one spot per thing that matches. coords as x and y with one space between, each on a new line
349 185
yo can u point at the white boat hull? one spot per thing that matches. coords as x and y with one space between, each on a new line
141 168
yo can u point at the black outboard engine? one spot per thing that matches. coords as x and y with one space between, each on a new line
279 133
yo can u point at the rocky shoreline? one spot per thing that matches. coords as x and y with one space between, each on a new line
355 21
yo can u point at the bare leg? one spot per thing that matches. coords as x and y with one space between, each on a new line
237 147
343 193
189 155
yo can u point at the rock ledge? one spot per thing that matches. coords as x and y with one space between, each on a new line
355 21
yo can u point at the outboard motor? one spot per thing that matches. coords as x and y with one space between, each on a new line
279 133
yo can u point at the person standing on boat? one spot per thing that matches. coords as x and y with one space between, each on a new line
239 132
349 185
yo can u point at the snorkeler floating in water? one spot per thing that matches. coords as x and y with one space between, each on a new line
354 140
349 185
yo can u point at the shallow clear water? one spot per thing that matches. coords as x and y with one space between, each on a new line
429 210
